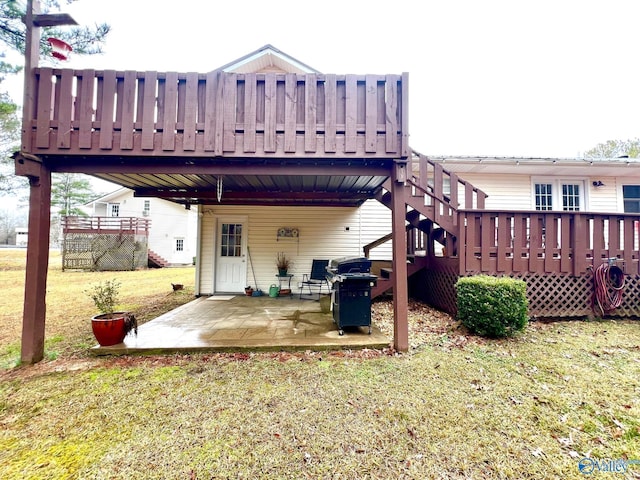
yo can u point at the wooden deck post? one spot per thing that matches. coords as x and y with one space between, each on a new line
31 56
400 288
35 289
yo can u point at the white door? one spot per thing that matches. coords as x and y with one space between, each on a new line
231 264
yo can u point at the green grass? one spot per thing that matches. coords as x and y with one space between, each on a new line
458 407
69 309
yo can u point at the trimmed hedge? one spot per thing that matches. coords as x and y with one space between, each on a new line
492 306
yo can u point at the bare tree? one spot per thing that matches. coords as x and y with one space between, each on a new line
615 149
9 220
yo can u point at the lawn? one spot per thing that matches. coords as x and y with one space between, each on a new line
456 406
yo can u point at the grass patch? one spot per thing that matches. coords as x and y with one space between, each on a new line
148 293
458 406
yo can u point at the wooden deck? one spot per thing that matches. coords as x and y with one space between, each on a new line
128 113
106 225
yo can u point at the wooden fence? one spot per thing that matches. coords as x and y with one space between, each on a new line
223 114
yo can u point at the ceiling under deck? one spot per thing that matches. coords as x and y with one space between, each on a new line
299 182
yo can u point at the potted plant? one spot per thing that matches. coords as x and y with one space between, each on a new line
110 327
283 263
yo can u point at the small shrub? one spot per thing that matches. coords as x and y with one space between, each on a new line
491 306
105 296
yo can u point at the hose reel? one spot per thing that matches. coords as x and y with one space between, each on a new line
608 287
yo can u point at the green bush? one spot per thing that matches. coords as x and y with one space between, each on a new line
492 306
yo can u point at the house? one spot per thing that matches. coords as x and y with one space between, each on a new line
280 158
22 236
569 184
173 229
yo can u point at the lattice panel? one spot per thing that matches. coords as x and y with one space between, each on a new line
104 252
558 295
437 288
550 296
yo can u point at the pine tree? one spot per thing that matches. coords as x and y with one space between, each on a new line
83 40
69 191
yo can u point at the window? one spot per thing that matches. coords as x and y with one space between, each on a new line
179 244
559 195
114 209
631 198
147 207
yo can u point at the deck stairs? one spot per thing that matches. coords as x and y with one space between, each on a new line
156 261
385 280
432 196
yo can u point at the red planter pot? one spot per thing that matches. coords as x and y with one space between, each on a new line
109 331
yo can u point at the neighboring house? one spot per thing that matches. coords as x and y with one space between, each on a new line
173 230
22 236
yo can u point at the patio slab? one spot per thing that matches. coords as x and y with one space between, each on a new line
241 323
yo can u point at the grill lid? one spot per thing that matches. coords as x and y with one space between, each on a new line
349 265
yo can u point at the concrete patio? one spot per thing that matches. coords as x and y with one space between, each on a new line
241 323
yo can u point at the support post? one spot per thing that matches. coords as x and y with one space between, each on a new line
35 288
31 57
400 288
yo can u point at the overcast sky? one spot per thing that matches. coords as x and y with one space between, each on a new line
548 78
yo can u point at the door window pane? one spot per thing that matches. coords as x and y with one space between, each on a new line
231 240
570 197
544 196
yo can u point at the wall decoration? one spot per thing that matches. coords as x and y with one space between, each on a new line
288 232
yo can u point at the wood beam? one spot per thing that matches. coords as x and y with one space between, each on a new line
400 277
201 193
34 312
269 203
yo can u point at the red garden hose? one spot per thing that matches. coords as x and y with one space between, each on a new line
608 285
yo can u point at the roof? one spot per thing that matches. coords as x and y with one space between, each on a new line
106 198
267 59
538 165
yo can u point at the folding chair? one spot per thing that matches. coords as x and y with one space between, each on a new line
316 279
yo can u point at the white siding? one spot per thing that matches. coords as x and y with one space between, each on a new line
375 222
514 192
325 233
605 199
506 192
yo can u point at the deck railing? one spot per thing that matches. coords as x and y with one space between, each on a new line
110 112
106 225
443 191
546 242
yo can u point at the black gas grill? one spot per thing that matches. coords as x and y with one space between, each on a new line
351 282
